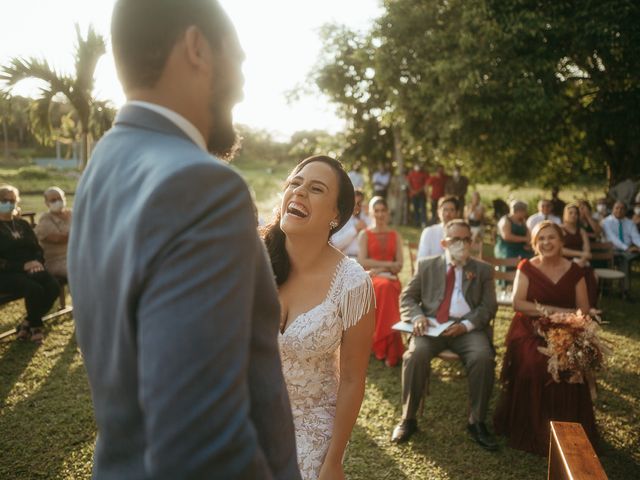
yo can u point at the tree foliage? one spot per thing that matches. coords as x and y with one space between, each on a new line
77 89
516 89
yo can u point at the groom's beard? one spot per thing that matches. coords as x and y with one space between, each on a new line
224 142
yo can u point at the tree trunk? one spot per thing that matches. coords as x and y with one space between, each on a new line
5 135
400 216
84 150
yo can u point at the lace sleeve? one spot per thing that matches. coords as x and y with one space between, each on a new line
356 295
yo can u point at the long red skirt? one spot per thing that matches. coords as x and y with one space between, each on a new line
531 399
387 343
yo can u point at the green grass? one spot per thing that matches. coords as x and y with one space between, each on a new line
47 429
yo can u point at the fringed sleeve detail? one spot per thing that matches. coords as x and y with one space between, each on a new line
356 298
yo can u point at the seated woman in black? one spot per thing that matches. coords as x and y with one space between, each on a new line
22 266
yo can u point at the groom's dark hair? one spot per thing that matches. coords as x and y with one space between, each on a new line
143 33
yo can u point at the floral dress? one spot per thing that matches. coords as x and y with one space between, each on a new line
310 351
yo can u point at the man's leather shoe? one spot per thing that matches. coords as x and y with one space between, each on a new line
404 430
482 436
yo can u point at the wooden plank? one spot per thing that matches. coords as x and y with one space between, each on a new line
571 456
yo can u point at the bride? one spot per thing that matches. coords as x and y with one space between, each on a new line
328 311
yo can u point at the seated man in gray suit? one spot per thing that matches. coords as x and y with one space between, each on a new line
450 302
175 304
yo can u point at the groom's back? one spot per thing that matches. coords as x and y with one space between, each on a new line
163 261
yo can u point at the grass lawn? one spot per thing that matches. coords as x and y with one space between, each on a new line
47 429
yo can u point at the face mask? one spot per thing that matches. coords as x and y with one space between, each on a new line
416 168
456 175
7 207
601 208
459 252
56 206
636 210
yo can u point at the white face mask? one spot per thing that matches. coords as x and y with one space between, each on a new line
416 168
459 252
601 208
56 206
636 210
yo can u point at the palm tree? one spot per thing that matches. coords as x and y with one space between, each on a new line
77 90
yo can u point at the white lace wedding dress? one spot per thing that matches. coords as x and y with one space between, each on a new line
310 350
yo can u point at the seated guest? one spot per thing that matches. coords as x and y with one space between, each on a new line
588 222
431 237
543 213
623 233
346 239
53 231
577 248
636 215
602 210
381 255
474 214
22 269
512 238
531 398
454 288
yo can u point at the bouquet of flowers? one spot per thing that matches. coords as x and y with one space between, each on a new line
574 346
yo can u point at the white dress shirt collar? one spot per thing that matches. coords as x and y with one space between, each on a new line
178 120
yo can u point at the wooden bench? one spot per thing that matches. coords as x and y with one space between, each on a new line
571 455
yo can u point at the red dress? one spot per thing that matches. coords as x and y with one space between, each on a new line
530 397
387 343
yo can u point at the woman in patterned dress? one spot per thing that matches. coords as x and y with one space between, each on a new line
327 314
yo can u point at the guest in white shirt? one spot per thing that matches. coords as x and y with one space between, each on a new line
356 177
346 239
381 180
431 238
624 236
544 213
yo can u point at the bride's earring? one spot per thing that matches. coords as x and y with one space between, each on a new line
333 224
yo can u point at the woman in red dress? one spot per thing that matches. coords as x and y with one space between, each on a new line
530 398
381 255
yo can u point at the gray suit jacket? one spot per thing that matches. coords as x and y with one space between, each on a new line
425 292
176 312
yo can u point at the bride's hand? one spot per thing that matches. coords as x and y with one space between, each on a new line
331 471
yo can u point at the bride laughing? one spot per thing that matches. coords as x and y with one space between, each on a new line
327 318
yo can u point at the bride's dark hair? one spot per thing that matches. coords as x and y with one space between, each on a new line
274 237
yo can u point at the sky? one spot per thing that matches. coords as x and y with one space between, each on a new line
280 39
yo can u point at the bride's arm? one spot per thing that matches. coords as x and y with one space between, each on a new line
354 359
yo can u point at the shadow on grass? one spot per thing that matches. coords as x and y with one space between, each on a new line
49 426
15 358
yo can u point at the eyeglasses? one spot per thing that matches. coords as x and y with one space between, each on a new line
466 240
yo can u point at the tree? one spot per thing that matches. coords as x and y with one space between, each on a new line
76 89
518 89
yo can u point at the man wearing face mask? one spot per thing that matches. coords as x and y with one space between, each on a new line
450 303
53 231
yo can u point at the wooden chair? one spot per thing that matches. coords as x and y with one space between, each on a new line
571 455
602 253
505 275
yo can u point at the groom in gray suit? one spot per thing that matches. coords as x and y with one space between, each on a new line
175 304
456 293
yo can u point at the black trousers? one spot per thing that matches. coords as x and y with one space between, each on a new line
39 290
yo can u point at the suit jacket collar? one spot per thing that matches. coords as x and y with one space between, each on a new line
140 117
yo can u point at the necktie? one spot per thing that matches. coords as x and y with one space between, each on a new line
442 315
620 231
